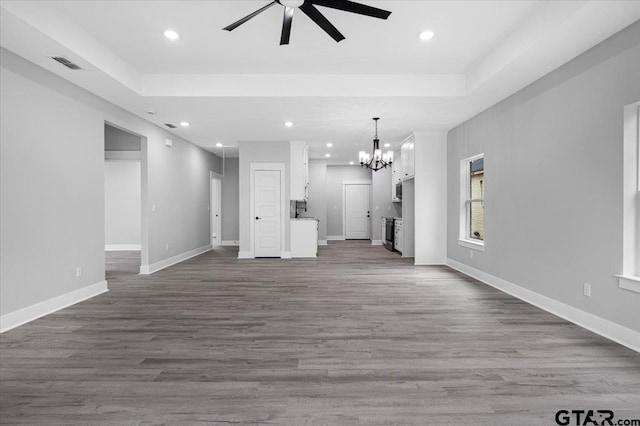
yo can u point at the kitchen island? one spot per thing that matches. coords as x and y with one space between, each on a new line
304 237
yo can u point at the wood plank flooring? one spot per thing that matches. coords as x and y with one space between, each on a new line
358 336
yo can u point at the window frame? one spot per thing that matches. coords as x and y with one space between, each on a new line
464 238
629 279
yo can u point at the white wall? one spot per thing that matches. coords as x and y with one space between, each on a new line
553 181
430 198
336 175
317 204
122 199
52 186
230 200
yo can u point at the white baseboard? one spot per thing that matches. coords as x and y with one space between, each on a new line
229 243
285 255
245 255
612 331
322 242
335 237
33 312
376 242
122 247
165 263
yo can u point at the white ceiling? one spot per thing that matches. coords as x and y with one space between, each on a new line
241 85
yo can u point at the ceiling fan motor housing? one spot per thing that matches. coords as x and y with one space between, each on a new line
291 3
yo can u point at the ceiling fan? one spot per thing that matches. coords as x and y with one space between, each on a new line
308 7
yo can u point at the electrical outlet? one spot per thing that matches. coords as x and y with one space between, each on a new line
78 271
471 254
153 208
587 290
166 247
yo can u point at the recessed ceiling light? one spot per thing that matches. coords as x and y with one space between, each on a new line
288 123
327 155
351 162
329 145
218 144
184 123
426 35
387 145
171 35
150 112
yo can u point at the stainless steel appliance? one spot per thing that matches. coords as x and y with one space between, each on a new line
389 233
399 190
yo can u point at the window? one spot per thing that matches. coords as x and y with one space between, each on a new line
630 277
472 202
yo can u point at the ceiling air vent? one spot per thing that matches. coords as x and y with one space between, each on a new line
67 63
171 126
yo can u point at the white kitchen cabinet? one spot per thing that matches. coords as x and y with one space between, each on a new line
398 237
396 177
304 237
407 164
299 171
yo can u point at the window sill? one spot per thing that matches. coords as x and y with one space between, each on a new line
629 282
471 244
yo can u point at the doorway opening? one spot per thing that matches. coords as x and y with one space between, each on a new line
122 201
215 208
357 210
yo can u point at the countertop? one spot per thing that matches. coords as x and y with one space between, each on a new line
305 218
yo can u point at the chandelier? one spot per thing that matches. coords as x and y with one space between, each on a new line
377 160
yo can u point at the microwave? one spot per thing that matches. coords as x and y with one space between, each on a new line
399 190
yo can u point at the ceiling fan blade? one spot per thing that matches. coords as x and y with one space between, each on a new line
246 18
286 25
317 17
353 7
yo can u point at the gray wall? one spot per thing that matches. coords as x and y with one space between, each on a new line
122 202
52 193
261 152
230 200
119 140
52 186
553 167
335 176
381 201
317 204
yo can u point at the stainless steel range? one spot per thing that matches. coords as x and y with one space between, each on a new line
389 233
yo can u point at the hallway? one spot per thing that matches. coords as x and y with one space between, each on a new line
356 336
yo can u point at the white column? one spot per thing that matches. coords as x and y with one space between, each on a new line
430 198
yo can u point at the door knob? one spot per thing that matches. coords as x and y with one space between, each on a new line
257 218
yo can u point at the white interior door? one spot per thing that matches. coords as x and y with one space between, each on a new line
267 210
357 212
215 211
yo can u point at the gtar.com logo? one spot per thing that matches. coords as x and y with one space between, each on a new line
584 417
591 418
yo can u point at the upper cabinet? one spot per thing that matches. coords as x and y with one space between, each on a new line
396 177
407 161
299 171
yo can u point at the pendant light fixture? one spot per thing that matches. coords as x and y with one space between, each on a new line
376 160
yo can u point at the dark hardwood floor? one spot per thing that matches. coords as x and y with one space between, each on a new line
358 336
